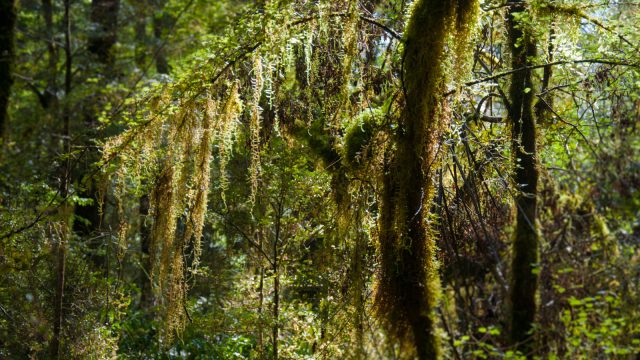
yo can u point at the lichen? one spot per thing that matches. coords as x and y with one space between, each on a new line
257 84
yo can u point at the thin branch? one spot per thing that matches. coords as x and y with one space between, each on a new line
540 66
244 235
387 29
253 48
573 126
574 11
491 119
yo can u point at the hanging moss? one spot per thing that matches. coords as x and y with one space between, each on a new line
463 31
179 176
172 147
226 129
257 84
408 282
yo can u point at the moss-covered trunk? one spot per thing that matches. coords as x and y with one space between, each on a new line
7 54
525 175
408 284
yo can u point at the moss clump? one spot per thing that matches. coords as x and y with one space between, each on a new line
359 137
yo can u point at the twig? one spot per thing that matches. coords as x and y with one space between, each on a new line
540 66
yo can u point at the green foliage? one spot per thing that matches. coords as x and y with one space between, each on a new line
599 325
243 175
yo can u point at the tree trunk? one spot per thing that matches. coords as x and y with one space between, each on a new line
542 108
260 317
525 175
260 237
146 292
162 23
408 284
58 314
276 308
65 208
7 55
276 283
141 9
360 291
104 15
48 98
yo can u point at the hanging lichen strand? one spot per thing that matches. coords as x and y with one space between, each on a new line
176 193
408 284
257 83
172 151
167 153
196 200
226 128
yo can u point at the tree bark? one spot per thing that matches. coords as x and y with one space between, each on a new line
276 281
59 294
541 108
7 58
162 22
65 208
48 98
525 176
359 289
146 292
260 237
408 283
141 8
104 14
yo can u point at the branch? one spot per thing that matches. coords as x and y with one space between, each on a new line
540 66
389 31
235 61
573 126
492 119
253 48
575 11
244 235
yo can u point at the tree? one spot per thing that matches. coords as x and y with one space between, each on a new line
7 55
523 148
104 13
409 287
66 209
162 22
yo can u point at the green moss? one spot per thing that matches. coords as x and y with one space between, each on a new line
319 141
408 284
359 136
